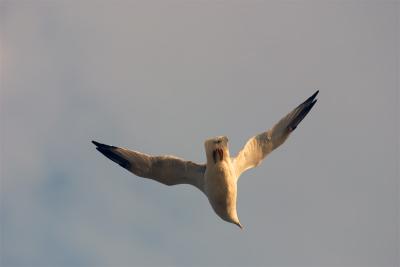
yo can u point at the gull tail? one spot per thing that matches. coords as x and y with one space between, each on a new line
240 226
111 153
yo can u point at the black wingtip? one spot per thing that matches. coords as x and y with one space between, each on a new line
305 108
100 145
312 104
311 98
109 152
96 143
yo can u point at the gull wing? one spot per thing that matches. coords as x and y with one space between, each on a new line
168 170
259 146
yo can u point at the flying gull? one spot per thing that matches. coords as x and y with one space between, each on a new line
217 179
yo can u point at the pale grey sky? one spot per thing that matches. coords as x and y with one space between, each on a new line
161 77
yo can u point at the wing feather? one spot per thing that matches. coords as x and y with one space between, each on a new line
168 170
259 146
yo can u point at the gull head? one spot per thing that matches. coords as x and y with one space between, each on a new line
217 149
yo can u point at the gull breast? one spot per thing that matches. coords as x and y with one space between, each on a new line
220 187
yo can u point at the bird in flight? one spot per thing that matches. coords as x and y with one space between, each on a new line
218 177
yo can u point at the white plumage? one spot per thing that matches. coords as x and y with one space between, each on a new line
217 179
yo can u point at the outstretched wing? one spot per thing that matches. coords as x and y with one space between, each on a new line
261 145
168 170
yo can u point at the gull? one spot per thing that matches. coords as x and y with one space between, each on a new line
218 177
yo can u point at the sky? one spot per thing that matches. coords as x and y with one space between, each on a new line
161 77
